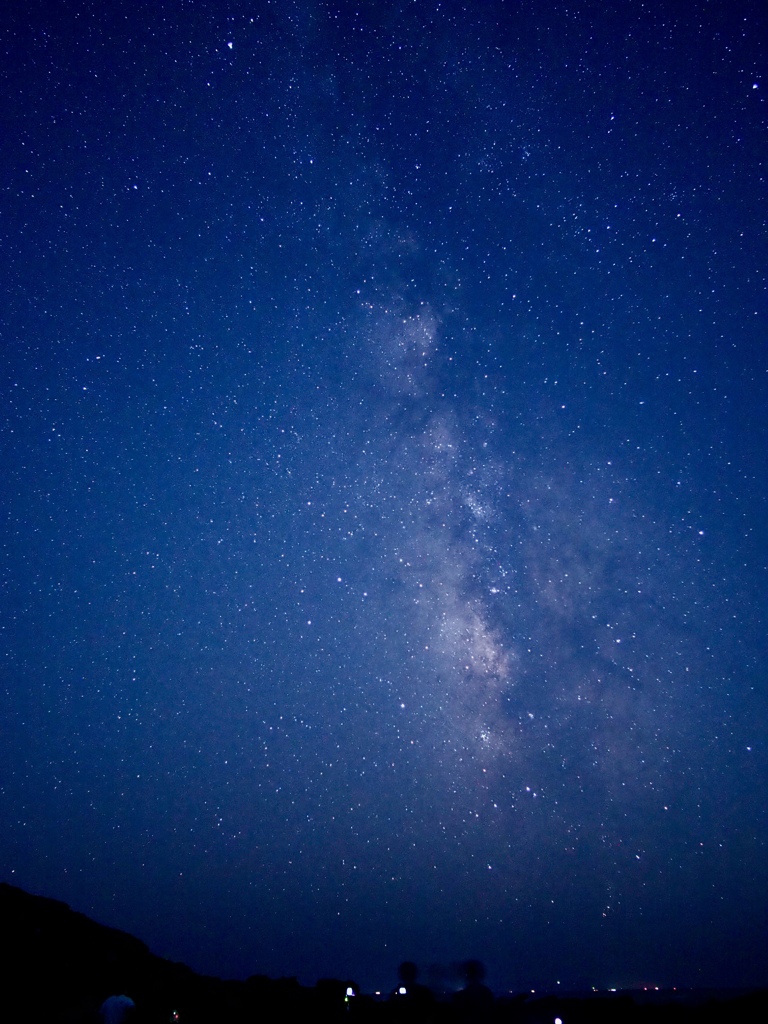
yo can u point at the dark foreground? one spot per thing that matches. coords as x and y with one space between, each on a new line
60 966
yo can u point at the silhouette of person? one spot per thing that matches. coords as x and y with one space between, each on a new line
411 1002
475 1001
117 1010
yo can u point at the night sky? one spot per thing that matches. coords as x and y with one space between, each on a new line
384 506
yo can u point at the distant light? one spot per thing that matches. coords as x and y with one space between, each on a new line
230 45
558 1020
401 990
350 991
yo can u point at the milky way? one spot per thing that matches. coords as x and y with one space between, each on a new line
384 512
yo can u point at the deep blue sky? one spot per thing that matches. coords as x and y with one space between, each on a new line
384 504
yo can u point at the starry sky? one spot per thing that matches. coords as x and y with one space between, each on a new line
383 549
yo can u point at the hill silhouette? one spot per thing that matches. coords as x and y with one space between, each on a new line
59 966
